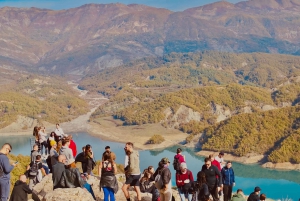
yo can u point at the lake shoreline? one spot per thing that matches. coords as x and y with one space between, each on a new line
108 134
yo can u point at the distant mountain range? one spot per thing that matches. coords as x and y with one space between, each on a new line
83 40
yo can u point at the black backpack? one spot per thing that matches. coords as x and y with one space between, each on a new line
34 170
176 163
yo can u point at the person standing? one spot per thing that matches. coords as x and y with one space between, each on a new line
220 159
59 131
20 190
43 140
72 145
65 150
89 157
201 188
132 171
228 180
53 154
107 150
108 181
5 169
254 196
178 159
184 181
214 184
34 153
165 173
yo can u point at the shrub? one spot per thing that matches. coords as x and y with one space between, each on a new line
156 139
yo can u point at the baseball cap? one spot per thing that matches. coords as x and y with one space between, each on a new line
165 160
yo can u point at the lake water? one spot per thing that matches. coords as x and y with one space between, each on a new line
275 184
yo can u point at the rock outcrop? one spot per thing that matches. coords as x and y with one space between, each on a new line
44 192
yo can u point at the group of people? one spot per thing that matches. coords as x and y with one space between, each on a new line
215 179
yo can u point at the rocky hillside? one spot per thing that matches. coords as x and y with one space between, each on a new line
95 36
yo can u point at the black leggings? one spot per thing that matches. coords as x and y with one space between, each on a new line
44 144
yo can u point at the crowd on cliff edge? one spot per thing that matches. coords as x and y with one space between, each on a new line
57 154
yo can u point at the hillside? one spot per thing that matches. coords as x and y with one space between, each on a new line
196 69
274 133
83 40
38 98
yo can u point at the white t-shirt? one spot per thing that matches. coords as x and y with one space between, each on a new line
59 132
220 160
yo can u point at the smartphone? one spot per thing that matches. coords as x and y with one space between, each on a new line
16 162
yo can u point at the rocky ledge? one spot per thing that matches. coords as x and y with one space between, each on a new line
44 192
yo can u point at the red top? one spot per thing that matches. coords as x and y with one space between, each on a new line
217 164
181 177
180 158
73 148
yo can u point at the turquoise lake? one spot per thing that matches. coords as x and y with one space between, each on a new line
275 184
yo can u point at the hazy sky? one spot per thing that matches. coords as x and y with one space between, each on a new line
175 5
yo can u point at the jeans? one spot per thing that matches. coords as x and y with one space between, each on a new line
46 169
184 195
89 188
45 145
108 192
4 189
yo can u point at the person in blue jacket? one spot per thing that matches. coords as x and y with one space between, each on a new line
228 180
5 169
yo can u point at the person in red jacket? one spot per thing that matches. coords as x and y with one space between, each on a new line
72 145
215 162
184 180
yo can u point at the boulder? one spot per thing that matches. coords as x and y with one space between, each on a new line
41 189
69 194
44 191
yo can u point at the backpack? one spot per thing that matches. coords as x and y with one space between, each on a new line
176 163
34 170
158 180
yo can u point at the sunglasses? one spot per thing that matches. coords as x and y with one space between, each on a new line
207 164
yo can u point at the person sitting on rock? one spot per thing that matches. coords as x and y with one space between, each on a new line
20 190
148 186
71 178
57 171
35 171
108 181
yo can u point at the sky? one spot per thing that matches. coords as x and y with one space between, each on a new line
174 5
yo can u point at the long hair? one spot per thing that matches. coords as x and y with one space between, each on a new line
36 132
107 157
146 176
201 179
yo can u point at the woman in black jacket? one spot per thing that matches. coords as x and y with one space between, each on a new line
71 178
201 188
147 186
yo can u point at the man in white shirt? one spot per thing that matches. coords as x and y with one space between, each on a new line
220 159
59 132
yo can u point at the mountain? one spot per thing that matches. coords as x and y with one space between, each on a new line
31 99
83 40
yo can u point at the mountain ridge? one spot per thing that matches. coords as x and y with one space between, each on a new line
83 40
